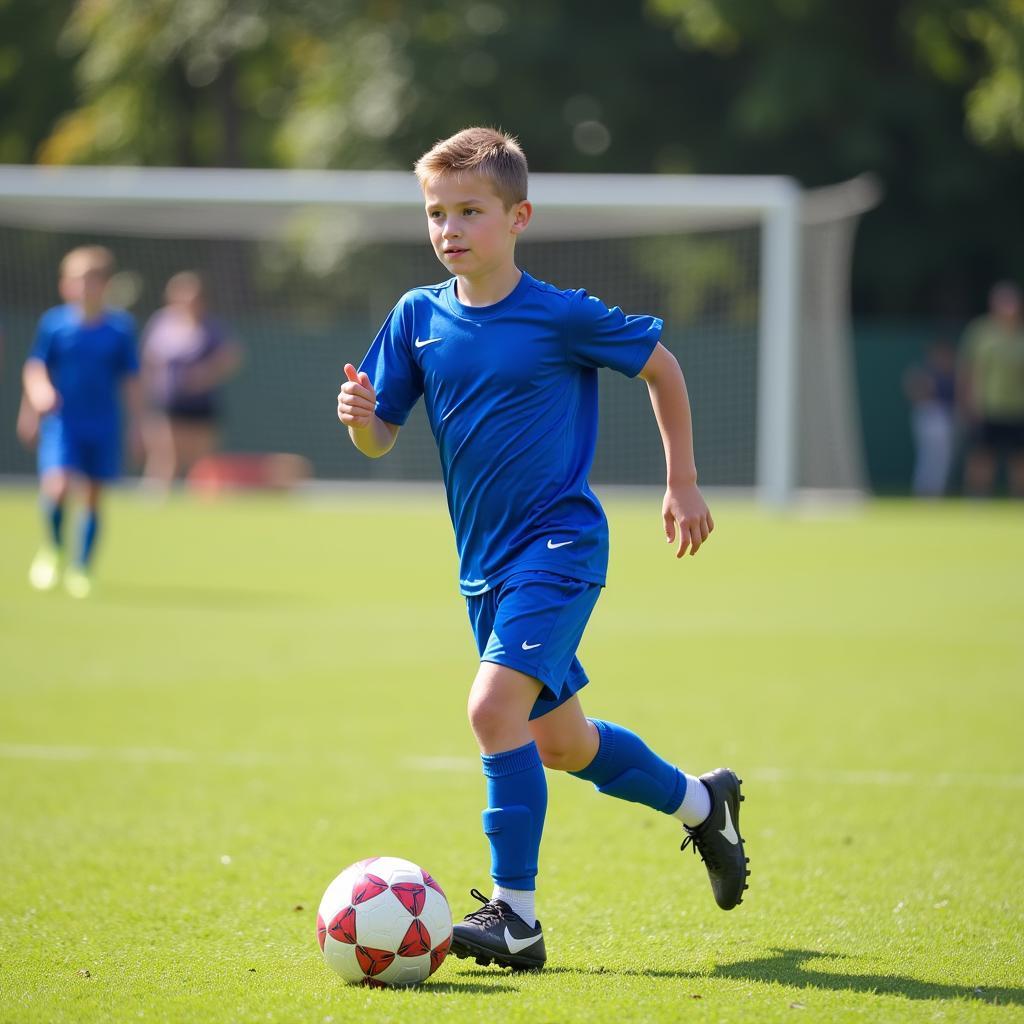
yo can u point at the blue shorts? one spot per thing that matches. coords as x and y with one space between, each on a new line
533 622
95 455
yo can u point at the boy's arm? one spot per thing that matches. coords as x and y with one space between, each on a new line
39 389
684 506
356 402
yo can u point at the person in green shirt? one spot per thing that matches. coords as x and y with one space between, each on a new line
990 385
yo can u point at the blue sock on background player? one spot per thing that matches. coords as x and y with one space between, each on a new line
53 516
625 767
517 800
88 529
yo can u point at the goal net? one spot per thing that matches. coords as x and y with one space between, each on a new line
751 276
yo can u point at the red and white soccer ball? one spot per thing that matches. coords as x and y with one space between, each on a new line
384 921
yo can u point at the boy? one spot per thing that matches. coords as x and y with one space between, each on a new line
82 355
507 366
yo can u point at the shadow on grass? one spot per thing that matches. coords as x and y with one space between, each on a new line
462 988
788 967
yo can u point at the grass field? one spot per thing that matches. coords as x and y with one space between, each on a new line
262 691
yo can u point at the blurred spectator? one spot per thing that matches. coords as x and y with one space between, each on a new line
186 358
931 388
991 392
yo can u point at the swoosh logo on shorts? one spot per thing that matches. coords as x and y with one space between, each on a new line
530 647
425 341
561 544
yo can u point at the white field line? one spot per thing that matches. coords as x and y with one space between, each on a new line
131 755
471 765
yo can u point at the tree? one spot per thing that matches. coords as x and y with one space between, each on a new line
925 93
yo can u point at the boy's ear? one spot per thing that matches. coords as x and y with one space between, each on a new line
522 213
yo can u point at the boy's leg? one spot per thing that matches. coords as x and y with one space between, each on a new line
89 526
44 573
620 764
77 580
505 930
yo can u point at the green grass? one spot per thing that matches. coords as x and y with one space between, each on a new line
282 683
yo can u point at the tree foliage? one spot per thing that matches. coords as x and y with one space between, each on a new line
929 94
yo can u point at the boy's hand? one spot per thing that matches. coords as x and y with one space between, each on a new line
684 509
356 399
45 398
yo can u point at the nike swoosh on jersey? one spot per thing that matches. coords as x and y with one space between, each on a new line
426 341
518 945
530 647
561 544
730 830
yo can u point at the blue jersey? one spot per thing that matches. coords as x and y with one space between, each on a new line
86 363
511 395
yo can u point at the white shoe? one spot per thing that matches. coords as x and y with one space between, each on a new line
77 583
44 572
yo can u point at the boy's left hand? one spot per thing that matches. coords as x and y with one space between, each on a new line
685 510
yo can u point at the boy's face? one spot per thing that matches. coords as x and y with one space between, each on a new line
82 284
471 231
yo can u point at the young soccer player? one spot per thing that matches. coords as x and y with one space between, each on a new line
83 355
507 367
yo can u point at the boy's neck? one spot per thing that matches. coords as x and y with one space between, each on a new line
90 314
489 290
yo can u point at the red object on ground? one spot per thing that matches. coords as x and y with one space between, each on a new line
274 471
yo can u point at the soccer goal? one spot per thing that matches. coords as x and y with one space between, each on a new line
751 275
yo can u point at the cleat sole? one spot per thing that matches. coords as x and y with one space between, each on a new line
485 957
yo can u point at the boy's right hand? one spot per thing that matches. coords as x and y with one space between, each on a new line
356 399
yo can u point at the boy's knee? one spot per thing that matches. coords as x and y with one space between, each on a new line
486 715
54 485
556 756
564 755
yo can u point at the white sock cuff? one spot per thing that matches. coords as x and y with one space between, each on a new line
522 902
696 805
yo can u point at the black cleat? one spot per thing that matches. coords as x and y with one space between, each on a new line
718 839
497 934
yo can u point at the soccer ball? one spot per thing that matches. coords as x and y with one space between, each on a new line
384 921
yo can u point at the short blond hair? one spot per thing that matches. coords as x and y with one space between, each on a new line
90 258
492 154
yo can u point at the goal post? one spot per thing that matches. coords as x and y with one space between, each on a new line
731 255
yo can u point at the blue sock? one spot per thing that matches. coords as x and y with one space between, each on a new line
517 799
89 527
53 515
625 767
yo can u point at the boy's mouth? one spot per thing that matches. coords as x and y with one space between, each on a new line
454 251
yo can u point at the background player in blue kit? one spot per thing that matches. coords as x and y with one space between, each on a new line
82 358
507 367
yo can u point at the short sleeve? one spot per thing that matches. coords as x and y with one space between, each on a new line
42 344
599 336
395 375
